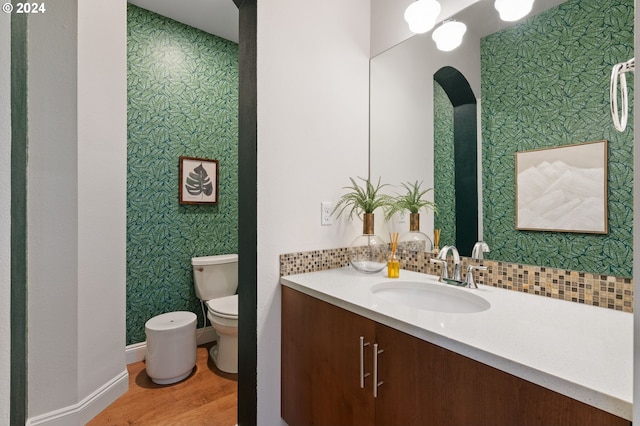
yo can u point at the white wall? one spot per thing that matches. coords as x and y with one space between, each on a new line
76 209
5 213
52 210
313 64
102 190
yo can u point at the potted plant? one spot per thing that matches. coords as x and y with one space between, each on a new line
362 200
413 200
368 252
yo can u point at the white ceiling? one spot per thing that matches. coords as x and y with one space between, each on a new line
218 17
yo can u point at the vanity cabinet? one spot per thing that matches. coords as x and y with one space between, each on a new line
418 383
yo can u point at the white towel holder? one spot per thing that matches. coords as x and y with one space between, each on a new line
618 75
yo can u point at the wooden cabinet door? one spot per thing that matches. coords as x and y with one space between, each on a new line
428 385
410 374
321 363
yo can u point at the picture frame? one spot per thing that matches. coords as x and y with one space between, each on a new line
198 181
563 189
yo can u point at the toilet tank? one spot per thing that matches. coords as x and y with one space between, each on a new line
215 276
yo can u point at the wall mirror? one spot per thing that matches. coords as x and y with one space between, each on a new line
540 82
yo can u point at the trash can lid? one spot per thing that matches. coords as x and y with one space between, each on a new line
170 321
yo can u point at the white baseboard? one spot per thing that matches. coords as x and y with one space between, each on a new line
137 351
88 408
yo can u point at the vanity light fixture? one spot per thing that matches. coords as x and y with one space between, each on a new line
422 15
449 35
512 10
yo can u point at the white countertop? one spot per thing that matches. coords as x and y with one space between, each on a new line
581 351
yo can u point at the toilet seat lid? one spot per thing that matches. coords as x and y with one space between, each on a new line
226 307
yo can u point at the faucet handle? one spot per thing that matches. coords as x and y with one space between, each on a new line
444 273
469 282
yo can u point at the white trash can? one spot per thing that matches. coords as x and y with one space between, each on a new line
171 346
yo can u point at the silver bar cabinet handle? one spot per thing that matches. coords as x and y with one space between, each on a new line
362 373
375 369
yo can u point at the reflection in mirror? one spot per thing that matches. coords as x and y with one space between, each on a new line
460 222
402 118
540 83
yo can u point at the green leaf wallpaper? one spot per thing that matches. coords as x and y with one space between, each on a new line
444 166
545 83
182 100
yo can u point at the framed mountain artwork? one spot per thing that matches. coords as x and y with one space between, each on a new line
198 181
563 189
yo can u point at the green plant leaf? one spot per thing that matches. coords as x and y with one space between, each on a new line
198 182
362 199
412 200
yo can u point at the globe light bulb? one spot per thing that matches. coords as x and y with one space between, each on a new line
449 35
422 15
512 10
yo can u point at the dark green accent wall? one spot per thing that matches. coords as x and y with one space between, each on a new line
182 100
19 138
465 141
444 166
248 216
545 83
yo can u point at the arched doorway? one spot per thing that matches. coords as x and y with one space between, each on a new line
465 150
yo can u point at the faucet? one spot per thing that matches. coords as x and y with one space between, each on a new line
479 248
442 259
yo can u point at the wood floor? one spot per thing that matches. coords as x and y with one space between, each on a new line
208 397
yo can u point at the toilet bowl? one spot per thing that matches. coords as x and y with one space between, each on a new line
223 315
216 280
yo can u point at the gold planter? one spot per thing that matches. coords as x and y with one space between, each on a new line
414 222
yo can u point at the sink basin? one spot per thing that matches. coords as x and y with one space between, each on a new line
431 297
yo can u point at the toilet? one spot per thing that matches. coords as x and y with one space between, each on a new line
216 281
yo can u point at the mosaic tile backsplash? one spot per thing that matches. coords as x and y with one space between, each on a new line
581 287
182 100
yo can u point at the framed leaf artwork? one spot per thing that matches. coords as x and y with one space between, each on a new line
198 181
